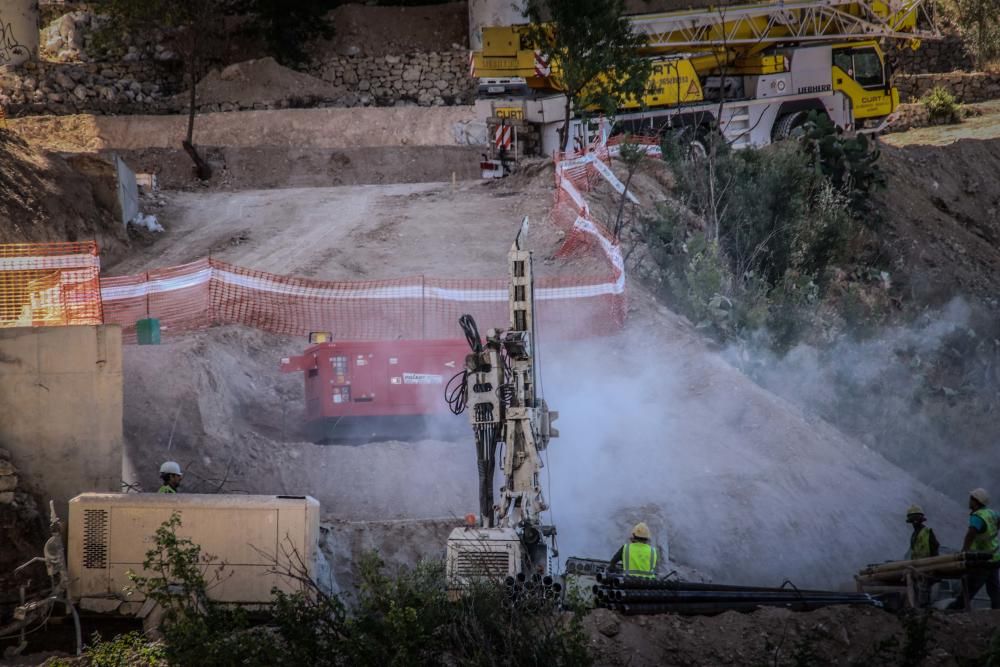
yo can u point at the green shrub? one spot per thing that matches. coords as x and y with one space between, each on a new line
400 619
750 240
128 650
942 106
850 164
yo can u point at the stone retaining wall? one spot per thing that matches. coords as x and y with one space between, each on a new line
67 88
436 78
967 87
948 54
425 79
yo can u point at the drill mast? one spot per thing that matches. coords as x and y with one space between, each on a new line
506 410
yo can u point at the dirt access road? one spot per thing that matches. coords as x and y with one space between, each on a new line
348 233
985 126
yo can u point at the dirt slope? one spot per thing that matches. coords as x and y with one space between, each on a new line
943 205
44 197
654 426
348 233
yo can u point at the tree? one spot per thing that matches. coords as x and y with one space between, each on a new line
980 19
194 26
285 26
594 50
632 156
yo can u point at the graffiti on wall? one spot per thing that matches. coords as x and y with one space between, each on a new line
11 51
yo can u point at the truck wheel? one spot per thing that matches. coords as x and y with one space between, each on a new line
693 142
787 124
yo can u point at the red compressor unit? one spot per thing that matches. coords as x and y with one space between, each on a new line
366 389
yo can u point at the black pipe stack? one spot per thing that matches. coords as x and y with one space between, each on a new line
532 592
638 595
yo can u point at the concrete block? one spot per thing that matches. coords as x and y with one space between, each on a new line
61 408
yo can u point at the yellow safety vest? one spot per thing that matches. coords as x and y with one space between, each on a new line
639 560
920 544
987 540
166 488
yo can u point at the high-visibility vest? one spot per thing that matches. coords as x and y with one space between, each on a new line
987 540
639 560
920 544
166 488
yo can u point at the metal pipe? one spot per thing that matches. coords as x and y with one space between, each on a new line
641 583
965 556
953 569
637 594
709 608
547 580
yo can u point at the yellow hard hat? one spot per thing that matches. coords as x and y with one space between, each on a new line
914 509
641 531
981 496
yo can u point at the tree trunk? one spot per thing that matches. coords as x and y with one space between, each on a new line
202 169
621 206
564 131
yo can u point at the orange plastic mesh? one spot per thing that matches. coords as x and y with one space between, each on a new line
211 292
49 284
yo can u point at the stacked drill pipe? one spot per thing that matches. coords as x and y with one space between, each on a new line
635 595
532 592
950 566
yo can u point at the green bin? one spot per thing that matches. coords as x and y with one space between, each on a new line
148 331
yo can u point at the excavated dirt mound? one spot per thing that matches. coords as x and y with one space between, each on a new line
261 81
832 636
45 197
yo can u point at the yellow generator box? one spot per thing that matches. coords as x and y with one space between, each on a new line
110 533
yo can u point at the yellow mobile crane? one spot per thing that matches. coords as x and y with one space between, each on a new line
753 71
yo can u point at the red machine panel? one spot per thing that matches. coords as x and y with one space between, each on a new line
377 378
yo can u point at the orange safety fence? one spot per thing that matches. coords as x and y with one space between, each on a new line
210 292
49 284
57 284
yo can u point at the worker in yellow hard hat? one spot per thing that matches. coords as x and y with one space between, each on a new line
923 542
982 537
638 557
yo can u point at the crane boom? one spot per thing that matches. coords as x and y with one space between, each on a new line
780 22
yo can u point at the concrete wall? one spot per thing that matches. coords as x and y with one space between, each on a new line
18 31
61 408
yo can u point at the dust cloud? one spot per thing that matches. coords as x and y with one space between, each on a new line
923 395
743 486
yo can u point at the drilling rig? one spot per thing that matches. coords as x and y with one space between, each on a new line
498 388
